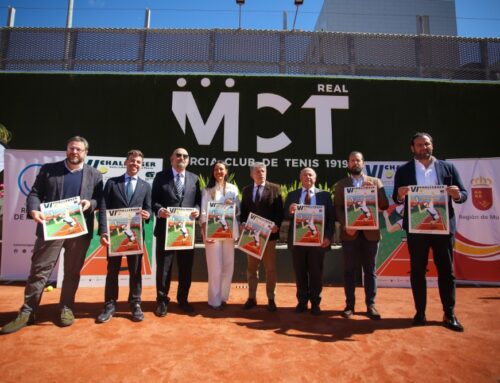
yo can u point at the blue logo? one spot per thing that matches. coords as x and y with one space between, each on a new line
27 177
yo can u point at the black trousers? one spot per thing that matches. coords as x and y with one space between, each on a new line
308 267
442 249
134 263
164 271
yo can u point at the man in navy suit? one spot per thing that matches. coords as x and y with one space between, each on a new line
125 191
57 181
308 261
426 170
174 187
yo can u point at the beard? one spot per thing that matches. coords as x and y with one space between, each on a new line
75 160
356 171
423 155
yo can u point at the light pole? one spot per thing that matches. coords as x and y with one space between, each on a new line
298 3
240 3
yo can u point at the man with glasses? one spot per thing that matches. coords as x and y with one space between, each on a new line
57 181
174 187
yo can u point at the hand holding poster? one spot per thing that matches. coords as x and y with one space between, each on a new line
125 231
361 208
308 225
220 220
253 239
428 210
63 219
180 229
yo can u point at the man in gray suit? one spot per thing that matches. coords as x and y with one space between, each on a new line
57 181
174 187
308 261
125 191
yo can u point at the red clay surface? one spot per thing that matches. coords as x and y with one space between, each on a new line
236 345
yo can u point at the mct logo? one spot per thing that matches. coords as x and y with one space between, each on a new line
27 177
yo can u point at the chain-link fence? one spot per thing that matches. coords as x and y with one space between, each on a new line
248 51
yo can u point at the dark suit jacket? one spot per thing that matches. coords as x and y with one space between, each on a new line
447 175
270 205
322 198
115 197
338 201
48 187
164 195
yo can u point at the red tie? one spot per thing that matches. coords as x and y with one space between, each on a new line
307 199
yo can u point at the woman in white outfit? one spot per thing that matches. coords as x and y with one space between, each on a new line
219 253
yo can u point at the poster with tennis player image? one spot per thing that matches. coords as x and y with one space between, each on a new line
220 220
308 225
63 219
361 208
256 232
180 229
125 231
428 210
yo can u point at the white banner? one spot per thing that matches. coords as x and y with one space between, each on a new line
477 245
21 168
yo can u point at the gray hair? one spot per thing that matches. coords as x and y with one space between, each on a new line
256 165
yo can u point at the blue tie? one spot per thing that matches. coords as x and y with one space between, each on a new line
129 191
179 187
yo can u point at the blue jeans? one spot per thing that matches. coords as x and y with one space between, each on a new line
366 251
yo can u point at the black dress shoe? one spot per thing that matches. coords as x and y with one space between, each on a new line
347 313
301 307
186 307
373 313
107 314
271 306
315 310
419 320
452 323
137 314
161 309
249 304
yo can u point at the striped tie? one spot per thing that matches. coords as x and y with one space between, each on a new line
179 186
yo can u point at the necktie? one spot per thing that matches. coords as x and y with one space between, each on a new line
179 187
257 195
307 198
129 191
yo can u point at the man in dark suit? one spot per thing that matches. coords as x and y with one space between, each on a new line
125 191
174 187
308 261
426 170
264 199
359 244
58 181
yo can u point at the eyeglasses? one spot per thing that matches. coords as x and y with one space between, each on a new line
75 149
179 155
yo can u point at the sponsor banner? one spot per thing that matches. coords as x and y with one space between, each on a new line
477 244
21 169
393 258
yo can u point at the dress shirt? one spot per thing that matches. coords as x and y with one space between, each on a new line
312 194
426 176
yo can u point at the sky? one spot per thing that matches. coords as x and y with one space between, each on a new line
475 18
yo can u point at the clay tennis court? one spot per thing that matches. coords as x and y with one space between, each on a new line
235 345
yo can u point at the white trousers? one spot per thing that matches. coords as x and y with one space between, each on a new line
220 265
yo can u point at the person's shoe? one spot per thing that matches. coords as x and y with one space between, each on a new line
347 313
419 320
315 310
373 313
161 309
22 320
452 323
223 304
137 314
301 307
186 307
67 317
249 304
271 306
107 314
217 308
